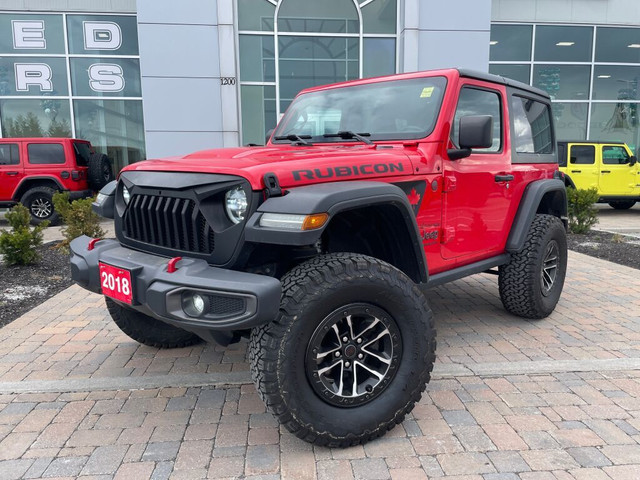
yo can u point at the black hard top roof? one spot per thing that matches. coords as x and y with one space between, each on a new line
611 142
490 77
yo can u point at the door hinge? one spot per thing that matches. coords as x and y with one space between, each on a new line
449 184
447 234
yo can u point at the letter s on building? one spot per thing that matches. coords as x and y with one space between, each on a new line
106 77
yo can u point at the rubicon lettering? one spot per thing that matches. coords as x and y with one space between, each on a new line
347 171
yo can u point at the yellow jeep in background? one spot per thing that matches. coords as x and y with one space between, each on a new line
610 167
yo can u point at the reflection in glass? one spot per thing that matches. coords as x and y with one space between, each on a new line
613 82
563 44
380 16
257 58
308 61
531 125
379 57
38 75
53 41
618 45
112 73
328 16
255 15
563 82
616 122
35 118
258 105
510 43
118 34
570 120
473 101
515 72
114 127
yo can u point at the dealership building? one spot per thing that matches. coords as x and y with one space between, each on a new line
156 78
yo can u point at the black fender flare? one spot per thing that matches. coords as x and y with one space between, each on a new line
568 181
334 198
23 186
529 205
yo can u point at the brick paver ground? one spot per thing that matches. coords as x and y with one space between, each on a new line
510 399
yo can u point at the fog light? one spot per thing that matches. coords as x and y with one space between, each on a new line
194 304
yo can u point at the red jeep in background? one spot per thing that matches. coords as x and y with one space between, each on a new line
33 169
319 245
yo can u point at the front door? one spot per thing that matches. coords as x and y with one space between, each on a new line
617 176
477 188
11 171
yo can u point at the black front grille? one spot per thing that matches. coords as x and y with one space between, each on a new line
175 223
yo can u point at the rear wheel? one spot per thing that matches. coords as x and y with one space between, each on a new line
39 201
100 171
531 283
147 330
622 204
350 352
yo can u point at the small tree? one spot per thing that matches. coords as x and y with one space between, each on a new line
19 244
582 214
78 217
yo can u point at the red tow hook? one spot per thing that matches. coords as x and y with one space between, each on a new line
92 243
171 266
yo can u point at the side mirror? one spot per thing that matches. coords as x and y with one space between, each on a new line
268 135
633 160
476 131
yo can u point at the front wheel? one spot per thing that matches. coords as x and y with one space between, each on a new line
350 352
531 283
622 204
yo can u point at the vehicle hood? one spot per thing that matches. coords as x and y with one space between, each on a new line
293 165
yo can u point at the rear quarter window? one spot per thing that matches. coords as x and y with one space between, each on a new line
531 125
83 152
46 154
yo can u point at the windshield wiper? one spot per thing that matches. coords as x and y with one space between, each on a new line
347 134
295 139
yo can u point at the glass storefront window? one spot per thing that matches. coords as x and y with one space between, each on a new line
516 72
257 62
102 34
29 76
618 45
37 34
563 82
510 43
380 16
100 77
35 118
258 112
570 120
255 15
379 57
613 82
113 127
563 44
328 16
616 121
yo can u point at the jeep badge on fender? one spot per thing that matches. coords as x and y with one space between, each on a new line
317 247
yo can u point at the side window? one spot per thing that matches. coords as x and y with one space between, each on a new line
614 156
46 153
583 155
531 126
9 154
474 101
83 152
562 154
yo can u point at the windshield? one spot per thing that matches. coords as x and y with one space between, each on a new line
396 110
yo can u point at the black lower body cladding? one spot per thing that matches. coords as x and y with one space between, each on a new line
235 300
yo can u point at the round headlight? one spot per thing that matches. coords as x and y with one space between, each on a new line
126 195
236 204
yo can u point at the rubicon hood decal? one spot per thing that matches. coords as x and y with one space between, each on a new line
348 171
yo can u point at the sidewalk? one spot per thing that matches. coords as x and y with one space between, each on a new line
510 399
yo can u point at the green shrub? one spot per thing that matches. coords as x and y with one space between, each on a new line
78 218
582 214
19 244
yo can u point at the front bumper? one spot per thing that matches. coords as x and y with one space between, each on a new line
243 300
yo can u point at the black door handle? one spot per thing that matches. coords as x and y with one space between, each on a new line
504 178
12 174
576 171
605 171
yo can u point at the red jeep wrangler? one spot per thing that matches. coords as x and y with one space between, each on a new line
33 169
318 245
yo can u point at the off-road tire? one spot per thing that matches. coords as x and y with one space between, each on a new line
279 351
100 171
520 281
622 204
39 200
147 330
